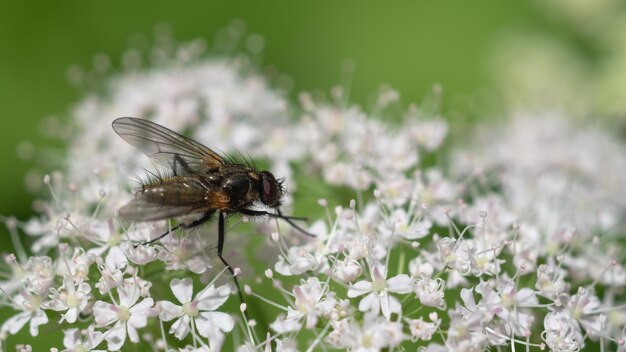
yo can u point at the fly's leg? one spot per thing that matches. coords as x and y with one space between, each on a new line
194 223
158 238
220 247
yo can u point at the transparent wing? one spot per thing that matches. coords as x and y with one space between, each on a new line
141 208
184 154
178 197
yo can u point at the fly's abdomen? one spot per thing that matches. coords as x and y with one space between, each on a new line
173 193
169 198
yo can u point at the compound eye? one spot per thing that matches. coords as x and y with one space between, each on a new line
270 194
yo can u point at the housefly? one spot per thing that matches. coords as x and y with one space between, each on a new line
201 184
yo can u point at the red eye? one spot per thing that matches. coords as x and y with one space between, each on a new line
271 193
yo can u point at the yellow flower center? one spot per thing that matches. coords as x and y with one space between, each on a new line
379 285
123 314
114 239
190 309
71 300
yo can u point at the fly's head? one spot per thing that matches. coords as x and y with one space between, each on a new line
271 190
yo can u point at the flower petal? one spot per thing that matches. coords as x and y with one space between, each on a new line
140 312
370 302
400 284
214 323
181 327
169 310
360 288
210 297
104 313
71 337
38 318
16 322
132 331
182 289
116 336
116 258
70 316
129 294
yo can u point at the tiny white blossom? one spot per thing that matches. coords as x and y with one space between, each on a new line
38 275
561 333
188 252
298 261
378 297
585 308
506 302
373 334
77 266
309 305
424 330
71 298
126 317
76 340
31 312
199 312
110 278
347 270
431 292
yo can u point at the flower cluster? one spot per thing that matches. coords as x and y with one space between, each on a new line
513 244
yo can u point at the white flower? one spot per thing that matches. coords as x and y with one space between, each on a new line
428 133
420 267
140 255
465 331
431 292
561 333
31 312
373 334
423 330
199 312
454 255
76 266
104 233
308 305
507 303
298 261
188 252
553 171
76 340
47 229
585 308
286 345
71 298
38 275
347 270
377 290
199 348
127 316
110 278
406 225
551 280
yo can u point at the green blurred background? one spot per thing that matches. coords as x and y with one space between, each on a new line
410 45
570 53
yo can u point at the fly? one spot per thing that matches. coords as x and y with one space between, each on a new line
202 184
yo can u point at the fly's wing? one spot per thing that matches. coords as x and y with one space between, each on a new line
174 198
185 155
141 209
